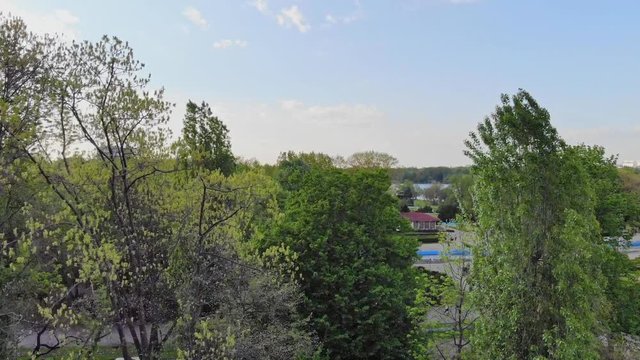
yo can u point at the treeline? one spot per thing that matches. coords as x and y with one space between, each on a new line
185 251
439 174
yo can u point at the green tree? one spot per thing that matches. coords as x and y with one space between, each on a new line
462 186
406 193
354 266
630 179
618 214
207 139
537 277
445 313
109 231
25 68
448 210
370 159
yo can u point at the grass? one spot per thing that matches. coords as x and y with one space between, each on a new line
102 353
426 237
420 203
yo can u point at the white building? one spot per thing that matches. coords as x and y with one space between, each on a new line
631 164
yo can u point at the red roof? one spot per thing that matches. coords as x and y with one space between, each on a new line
418 217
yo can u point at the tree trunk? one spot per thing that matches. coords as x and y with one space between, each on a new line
123 342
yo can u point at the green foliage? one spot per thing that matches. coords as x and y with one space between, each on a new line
630 180
448 211
537 272
355 268
367 160
617 211
462 186
120 235
25 68
623 291
206 140
618 215
429 289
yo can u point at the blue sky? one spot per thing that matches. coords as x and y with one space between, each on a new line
407 77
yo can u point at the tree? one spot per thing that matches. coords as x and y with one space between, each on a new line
448 210
406 193
434 193
207 139
439 174
446 315
462 186
630 179
103 227
371 159
354 266
618 215
538 240
25 67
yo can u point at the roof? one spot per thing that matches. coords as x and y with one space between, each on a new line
418 216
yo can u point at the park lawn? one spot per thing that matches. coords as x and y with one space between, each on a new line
420 203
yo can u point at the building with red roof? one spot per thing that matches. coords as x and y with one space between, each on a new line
421 221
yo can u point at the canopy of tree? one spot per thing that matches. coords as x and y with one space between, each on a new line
544 211
354 267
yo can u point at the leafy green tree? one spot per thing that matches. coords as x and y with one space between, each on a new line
434 193
25 67
462 186
448 211
207 139
371 159
293 167
354 266
618 214
406 193
630 180
537 272
114 219
445 312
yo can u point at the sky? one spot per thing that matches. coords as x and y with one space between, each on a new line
410 78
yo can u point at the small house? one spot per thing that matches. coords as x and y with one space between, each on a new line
421 221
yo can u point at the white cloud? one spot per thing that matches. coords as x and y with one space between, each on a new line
356 15
260 5
293 17
60 21
195 17
342 114
291 104
227 43
333 19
